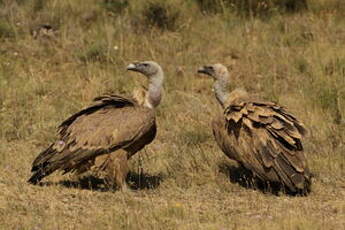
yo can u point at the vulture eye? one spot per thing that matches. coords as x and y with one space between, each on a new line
145 64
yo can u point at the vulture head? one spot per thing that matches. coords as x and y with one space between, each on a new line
148 68
220 75
155 75
216 71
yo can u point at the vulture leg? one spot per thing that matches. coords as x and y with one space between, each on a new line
113 168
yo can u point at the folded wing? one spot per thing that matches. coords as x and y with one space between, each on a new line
111 123
266 139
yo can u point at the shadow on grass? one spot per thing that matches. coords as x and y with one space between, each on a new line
139 181
246 179
134 181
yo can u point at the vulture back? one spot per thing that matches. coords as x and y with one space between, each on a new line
266 139
111 123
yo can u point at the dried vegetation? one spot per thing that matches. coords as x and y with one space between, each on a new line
182 180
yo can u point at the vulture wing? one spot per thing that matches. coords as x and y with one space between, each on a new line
113 122
266 139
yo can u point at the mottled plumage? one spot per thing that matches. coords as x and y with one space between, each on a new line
262 136
101 137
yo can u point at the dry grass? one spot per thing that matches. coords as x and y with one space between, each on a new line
297 60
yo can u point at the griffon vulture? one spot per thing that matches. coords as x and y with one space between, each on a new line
261 136
105 135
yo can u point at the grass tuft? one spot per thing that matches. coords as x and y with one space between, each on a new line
95 52
6 30
161 15
252 7
115 6
38 5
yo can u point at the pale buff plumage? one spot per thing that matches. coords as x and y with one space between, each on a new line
102 137
262 136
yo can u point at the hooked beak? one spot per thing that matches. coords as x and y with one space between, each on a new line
204 70
132 67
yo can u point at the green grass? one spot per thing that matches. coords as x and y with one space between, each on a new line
295 59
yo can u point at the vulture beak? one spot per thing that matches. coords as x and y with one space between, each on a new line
204 70
132 67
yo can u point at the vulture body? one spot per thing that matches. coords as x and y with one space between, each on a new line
261 136
102 137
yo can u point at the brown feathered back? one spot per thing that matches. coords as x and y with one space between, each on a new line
112 123
106 134
265 138
261 136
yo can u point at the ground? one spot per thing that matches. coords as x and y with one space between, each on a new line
182 180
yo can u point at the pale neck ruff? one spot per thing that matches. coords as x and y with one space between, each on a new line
221 87
154 93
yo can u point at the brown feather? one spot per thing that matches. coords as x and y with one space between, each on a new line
266 139
111 124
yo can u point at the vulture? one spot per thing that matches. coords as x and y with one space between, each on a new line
103 136
261 136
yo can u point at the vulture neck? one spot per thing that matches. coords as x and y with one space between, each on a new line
221 90
154 93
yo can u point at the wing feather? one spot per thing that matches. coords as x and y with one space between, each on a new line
113 122
267 139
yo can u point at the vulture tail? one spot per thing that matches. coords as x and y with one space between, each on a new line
297 182
41 166
37 176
